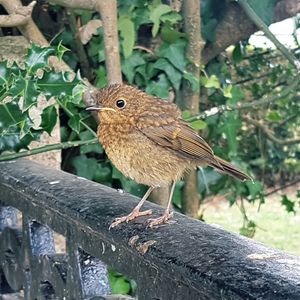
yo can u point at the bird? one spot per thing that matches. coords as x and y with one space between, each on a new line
146 138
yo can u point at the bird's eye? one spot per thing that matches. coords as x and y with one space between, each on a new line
120 103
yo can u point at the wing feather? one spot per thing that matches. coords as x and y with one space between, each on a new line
180 137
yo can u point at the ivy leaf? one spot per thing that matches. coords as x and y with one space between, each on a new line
289 205
49 118
227 91
159 88
85 167
198 124
230 127
37 58
194 81
255 189
170 35
129 65
155 15
274 116
85 136
236 95
212 82
237 55
127 32
175 53
173 74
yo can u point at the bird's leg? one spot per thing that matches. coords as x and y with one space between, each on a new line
168 214
135 212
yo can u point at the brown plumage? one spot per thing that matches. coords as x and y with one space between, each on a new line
146 139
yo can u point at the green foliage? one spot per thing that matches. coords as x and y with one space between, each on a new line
153 57
19 93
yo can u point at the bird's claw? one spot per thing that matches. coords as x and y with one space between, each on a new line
133 215
160 220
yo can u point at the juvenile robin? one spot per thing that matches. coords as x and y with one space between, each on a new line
146 139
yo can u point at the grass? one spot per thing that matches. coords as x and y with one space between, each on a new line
276 227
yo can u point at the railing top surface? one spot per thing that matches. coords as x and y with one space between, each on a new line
210 261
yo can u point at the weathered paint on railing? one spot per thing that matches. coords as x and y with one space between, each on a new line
183 260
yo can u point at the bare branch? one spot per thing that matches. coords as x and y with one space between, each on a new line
248 105
108 13
269 133
19 18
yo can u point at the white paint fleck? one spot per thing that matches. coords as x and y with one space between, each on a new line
54 182
113 248
103 248
260 256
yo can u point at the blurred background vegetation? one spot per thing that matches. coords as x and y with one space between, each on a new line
242 98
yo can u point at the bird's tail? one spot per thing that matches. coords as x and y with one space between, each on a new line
224 166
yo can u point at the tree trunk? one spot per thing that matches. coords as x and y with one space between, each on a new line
191 15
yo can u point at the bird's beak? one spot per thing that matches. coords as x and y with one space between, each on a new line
97 107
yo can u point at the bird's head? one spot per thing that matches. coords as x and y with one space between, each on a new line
118 103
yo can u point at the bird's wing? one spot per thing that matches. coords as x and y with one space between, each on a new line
181 138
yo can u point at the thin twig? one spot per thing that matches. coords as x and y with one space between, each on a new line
248 105
269 134
59 146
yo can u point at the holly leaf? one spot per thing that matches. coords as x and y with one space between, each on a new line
57 84
74 123
49 118
37 58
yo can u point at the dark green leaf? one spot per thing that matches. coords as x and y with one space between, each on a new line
57 84
127 32
170 35
193 80
175 53
37 58
74 123
237 54
49 118
173 74
129 65
159 88
85 136
289 204
155 14
85 167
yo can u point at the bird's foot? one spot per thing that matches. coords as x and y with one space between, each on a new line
160 220
133 215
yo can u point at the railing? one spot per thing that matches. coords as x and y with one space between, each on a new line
183 260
